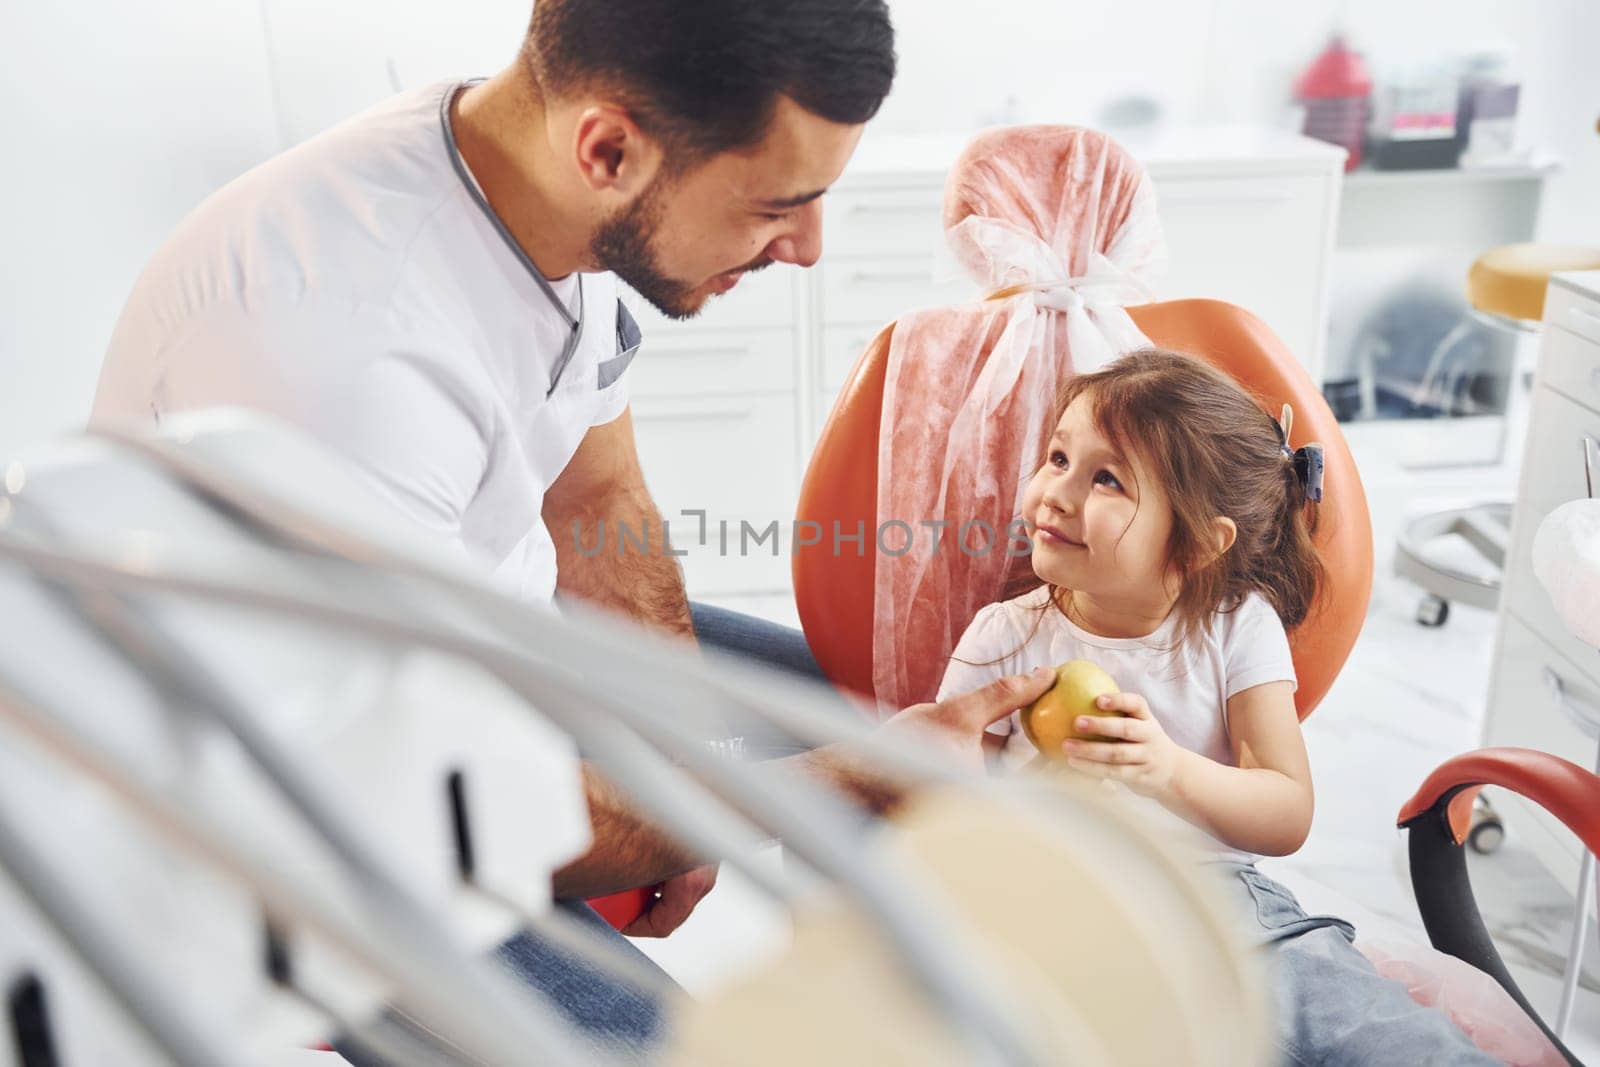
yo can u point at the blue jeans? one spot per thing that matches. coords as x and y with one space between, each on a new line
617 1021
770 644
617 1018
1333 1007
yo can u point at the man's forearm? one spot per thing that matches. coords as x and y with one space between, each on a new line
841 767
613 552
628 850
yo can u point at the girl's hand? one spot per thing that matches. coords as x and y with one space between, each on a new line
1140 754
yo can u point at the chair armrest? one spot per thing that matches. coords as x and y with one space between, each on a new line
1564 789
1437 819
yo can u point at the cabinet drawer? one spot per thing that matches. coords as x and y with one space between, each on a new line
767 298
1575 312
841 347
674 362
1552 474
735 458
875 222
1570 363
875 292
1523 713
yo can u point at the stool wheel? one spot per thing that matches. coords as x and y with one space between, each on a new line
1432 611
1488 833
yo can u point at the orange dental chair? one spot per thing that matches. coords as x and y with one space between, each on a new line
834 592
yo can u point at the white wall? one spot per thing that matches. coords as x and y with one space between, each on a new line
118 117
331 60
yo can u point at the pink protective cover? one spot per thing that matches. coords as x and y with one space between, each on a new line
1063 221
1474 1001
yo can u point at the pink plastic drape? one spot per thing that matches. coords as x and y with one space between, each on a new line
1064 219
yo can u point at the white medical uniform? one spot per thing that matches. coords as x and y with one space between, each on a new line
358 286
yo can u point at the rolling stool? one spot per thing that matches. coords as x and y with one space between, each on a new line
1505 289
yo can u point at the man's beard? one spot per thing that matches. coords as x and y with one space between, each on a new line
623 246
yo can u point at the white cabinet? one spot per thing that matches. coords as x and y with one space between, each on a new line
1573 346
1523 711
1250 218
1253 242
735 459
734 361
1524 714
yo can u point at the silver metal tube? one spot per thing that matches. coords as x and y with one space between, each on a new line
944 975
1580 936
128 982
451 992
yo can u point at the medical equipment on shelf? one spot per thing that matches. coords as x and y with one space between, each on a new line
271 761
1336 93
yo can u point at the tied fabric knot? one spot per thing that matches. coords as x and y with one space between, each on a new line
1008 262
1111 288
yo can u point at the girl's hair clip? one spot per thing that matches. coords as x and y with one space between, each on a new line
1308 465
1308 459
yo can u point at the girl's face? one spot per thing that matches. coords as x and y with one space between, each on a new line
1099 522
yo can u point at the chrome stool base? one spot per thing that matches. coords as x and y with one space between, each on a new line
1487 527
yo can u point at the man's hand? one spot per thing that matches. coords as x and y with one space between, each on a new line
629 851
956 726
679 895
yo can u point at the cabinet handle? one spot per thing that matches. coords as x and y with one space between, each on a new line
724 352
1584 715
892 207
860 276
1591 462
1245 196
732 410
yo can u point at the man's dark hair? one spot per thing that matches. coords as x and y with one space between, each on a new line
704 76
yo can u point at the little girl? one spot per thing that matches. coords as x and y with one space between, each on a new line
1172 526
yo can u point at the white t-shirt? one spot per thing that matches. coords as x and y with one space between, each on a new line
1187 687
358 286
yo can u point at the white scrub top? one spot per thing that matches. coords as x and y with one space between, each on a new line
358 286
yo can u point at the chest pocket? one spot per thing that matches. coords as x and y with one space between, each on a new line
628 340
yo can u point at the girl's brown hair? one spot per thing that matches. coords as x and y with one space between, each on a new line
1217 453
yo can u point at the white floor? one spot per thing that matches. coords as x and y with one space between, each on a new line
1408 698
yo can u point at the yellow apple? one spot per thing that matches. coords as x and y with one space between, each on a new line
1053 718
